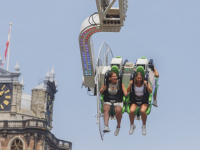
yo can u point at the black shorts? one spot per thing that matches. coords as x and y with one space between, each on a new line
139 101
112 99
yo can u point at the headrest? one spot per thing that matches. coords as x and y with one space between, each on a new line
141 70
115 69
143 57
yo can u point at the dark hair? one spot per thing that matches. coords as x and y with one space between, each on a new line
138 73
110 75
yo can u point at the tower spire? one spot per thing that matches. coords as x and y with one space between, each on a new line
17 67
47 76
22 82
52 74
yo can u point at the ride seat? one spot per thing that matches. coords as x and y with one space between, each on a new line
115 69
127 100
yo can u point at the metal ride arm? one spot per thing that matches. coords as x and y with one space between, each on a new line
108 19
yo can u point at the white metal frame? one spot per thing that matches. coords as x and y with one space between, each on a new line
99 113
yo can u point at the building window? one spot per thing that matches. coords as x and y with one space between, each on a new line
17 145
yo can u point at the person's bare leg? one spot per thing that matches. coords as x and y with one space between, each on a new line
132 113
132 117
144 118
143 113
155 100
118 112
106 109
155 96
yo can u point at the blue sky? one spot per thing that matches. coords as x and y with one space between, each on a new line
45 34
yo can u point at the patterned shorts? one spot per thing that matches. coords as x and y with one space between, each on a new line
115 104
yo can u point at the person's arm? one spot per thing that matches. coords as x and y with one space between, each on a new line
103 88
124 90
148 86
156 73
129 87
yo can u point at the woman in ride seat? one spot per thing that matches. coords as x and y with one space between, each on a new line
113 92
140 94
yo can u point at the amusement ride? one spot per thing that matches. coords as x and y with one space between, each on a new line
95 72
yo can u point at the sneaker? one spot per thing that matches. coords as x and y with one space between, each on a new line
155 103
144 131
106 129
117 131
132 128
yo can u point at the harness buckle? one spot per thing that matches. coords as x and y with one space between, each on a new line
139 103
112 101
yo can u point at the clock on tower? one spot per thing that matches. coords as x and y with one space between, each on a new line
5 96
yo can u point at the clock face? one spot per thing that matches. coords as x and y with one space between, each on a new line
49 109
5 97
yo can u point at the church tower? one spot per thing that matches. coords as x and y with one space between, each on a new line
26 120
